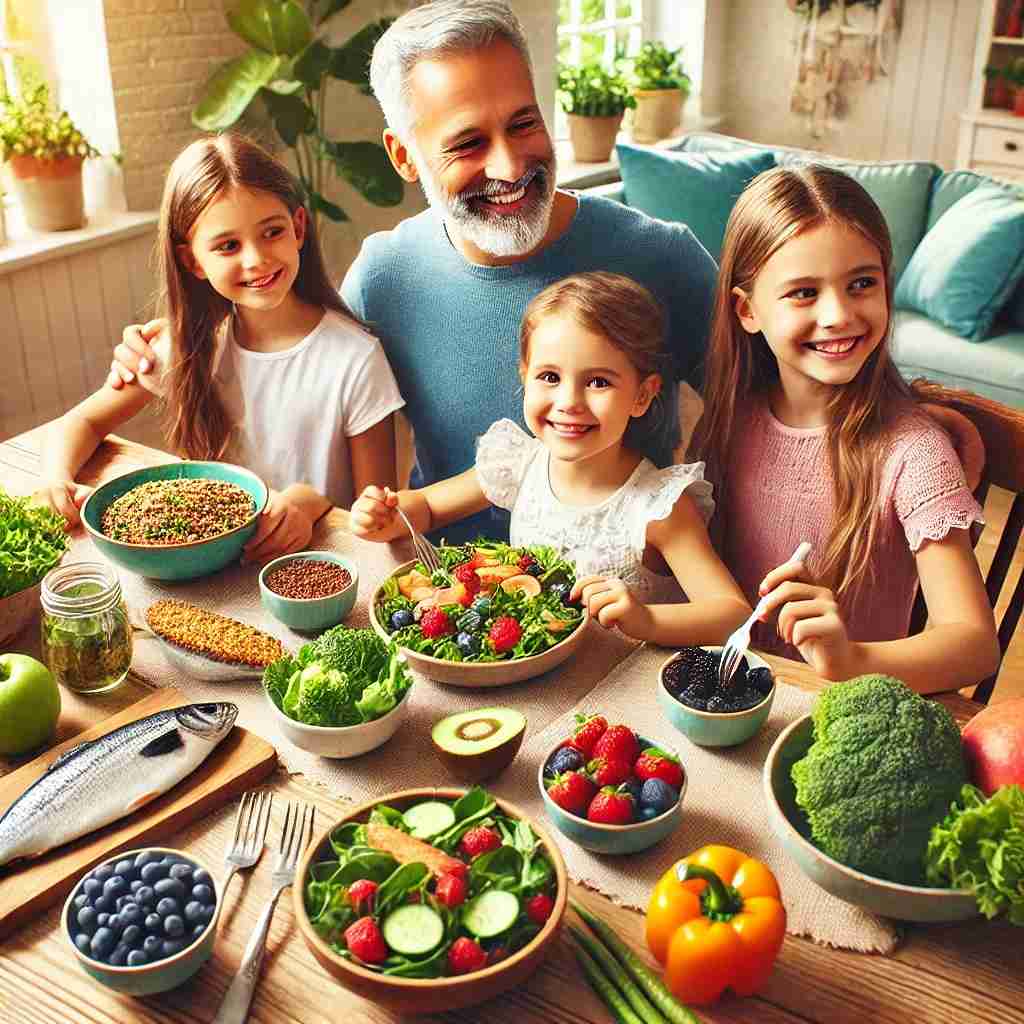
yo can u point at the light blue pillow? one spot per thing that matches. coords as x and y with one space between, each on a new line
698 189
968 264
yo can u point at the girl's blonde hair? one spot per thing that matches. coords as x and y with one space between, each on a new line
775 207
620 310
196 421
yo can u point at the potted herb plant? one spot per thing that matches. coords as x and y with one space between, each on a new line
1013 73
660 87
594 98
45 151
1000 90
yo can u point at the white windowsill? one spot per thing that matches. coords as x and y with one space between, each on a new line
25 247
572 174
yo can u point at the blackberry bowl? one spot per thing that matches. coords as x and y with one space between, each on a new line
688 694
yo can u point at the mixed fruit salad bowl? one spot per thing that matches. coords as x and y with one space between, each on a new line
430 900
494 614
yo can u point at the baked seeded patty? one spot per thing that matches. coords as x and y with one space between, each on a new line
212 635
177 511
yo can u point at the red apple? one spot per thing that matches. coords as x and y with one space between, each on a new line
993 745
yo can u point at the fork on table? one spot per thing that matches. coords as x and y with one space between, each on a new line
296 833
737 643
246 846
425 551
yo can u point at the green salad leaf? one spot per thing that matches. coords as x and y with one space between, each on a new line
980 846
32 541
344 677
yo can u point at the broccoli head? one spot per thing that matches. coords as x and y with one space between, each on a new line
884 767
325 697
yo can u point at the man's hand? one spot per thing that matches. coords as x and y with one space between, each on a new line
67 498
612 603
134 355
373 512
284 526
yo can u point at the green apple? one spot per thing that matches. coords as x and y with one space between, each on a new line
29 704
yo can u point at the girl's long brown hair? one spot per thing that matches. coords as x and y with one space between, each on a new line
775 207
196 422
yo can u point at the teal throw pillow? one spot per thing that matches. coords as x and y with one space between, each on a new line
698 189
968 264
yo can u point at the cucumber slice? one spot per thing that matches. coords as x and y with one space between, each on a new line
428 819
413 929
491 913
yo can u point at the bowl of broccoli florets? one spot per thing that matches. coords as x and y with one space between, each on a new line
340 695
854 788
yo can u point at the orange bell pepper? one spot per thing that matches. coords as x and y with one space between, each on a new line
715 921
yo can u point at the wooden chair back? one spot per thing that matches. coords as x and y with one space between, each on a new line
1002 432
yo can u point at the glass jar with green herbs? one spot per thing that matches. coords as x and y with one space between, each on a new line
87 639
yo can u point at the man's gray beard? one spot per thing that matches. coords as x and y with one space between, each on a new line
496 234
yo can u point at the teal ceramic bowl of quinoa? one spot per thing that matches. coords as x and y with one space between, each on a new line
320 596
178 521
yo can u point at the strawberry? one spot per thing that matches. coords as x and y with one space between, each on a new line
505 633
467 576
656 764
479 840
450 890
361 895
611 807
539 907
572 791
465 956
588 732
458 868
435 623
617 743
609 773
365 941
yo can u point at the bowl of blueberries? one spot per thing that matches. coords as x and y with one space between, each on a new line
143 921
707 714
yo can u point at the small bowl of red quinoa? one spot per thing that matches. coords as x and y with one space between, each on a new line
309 591
178 521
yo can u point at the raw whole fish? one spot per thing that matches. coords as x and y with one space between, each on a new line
102 780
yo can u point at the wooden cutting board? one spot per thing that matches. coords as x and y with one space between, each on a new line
28 888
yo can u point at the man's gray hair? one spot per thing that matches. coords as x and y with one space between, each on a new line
430 31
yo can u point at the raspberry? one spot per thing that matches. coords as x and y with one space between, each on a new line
467 576
465 956
361 895
539 907
505 633
435 623
479 840
450 890
365 941
525 562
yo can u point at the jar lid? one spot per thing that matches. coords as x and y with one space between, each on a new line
81 588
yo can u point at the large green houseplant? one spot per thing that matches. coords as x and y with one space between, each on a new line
288 68
660 86
594 99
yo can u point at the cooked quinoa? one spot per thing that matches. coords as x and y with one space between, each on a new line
212 635
177 511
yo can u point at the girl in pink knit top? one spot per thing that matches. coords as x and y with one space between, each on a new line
810 433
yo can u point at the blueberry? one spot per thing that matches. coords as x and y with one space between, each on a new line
564 759
132 914
147 857
125 868
561 591
102 943
202 892
102 919
193 911
132 936
401 618
103 872
469 622
482 606
80 900
86 919
198 929
468 644
658 794
83 941
533 569
114 886
168 905
201 877
647 813
182 872
92 886
136 958
170 887
144 896
154 922
115 924
152 944
119 957
172 946
152 871
174 925
122 901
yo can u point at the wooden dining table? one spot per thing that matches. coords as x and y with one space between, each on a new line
966 972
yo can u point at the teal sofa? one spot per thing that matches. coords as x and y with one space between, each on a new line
913 195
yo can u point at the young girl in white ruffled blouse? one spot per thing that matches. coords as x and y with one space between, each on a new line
591 354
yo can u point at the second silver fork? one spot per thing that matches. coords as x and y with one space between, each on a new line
425 551
246 846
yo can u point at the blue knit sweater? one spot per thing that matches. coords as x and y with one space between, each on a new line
450 328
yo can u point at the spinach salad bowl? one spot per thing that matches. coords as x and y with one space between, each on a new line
551 630
422 982
175 561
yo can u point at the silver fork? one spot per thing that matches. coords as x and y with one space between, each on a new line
737 643
425 551
246 846
295 836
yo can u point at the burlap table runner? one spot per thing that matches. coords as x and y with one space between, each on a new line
723 800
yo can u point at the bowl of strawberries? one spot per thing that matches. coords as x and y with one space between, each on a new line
611 790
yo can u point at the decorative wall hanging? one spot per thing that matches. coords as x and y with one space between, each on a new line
830 52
